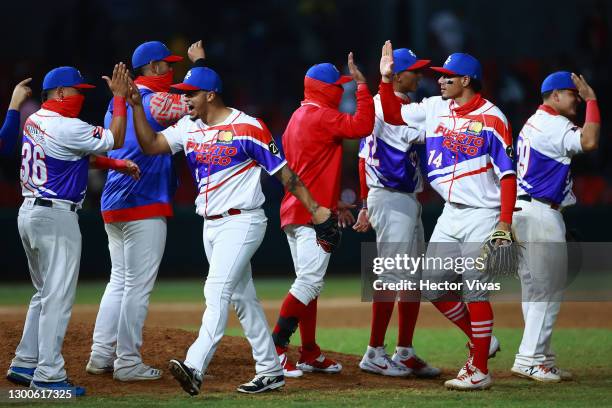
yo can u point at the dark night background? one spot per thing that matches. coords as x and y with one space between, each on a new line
262 50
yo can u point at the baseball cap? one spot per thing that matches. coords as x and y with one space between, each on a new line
557 80
461 64
328 73
64 76
406 60
200 78
152 51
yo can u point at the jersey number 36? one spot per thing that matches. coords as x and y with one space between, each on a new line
33 165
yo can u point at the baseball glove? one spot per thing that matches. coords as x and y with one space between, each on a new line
328 234
501 258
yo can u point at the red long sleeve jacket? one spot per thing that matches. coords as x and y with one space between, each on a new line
312 144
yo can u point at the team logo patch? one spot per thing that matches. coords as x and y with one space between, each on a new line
510 152
474 128
272 147
225 137
97 133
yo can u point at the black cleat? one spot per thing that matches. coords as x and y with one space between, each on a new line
262 383
190 381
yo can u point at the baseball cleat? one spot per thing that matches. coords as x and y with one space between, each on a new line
407 358
20 375
471 380
494 348
564 374
141 373
262 383
93 368
289 369
190 380
59 386
537 372
320 364
377 361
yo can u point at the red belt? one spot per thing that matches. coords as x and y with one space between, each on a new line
231 211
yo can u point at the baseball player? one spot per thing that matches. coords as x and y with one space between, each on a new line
470 164
134 213
10 127
545 148
388 168
55 158
312 143
225 150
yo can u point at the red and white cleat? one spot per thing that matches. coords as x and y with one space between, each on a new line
406 357
289 369
320 364
472 379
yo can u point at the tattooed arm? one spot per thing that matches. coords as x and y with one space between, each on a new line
294 185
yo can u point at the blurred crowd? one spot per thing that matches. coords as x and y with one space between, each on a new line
262 50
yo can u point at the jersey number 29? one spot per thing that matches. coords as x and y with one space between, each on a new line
33 166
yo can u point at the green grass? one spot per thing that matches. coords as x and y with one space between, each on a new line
187 290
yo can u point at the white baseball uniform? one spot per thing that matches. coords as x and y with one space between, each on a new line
545 147
467 156
394 178
226 161
54 165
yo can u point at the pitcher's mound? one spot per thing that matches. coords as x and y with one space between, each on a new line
232 365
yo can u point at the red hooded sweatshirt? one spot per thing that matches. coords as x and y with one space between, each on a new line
312 144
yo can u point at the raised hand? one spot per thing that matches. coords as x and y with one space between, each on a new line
584 89
196 51
386 62
133 97
355 72
118 83
21 92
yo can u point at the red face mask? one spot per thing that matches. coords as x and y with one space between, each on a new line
158 83
69 106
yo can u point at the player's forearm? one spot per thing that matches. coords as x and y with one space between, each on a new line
391 106
9 132
363 185
145 135
119 122
106 163
362 122
294 185
592 126
508 198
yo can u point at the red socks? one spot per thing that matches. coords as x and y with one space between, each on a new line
481 315
381 315
457 313
290 313
408 314
308 326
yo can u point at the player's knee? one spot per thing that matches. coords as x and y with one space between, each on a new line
305 292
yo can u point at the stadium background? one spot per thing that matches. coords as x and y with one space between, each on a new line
262 49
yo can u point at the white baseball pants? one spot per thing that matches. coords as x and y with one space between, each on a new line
396 218
542 272
136 249
459 233
52 242
309 260
230 242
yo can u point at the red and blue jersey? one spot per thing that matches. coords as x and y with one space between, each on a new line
545 148
226 160
126 199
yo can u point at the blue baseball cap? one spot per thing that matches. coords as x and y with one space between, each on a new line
152 51
200 78
557 80
406 60
328 73
64 76
461 64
